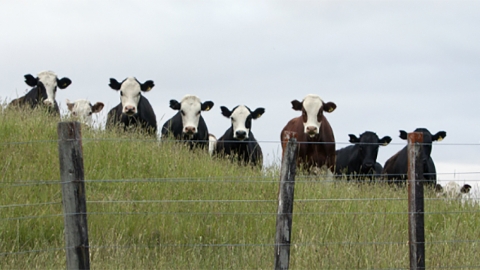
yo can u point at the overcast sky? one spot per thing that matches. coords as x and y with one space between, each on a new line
388 65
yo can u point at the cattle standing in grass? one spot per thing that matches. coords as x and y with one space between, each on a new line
238 141
360 160
396 167
134 110
43 91
83 110
316 142
188 124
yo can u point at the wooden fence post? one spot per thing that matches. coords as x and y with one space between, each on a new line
285 206
73 195
416 229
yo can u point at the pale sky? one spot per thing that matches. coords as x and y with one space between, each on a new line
388 65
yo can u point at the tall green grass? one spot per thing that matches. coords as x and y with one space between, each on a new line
160 205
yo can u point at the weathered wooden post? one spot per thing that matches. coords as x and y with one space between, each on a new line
285 206
416 229
73 195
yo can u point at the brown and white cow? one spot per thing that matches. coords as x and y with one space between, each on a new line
316 142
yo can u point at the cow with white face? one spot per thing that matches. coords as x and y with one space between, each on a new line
43 91
83 110
188 124
312 108
134 110
452 190
238 141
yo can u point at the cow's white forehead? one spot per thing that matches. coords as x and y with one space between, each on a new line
130 85
190 99
48 78
312 99
82 105
241 112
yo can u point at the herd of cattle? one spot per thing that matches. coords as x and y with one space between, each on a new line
316 142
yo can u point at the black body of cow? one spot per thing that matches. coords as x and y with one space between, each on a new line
396 167
174 128
360 160
144 119
35 97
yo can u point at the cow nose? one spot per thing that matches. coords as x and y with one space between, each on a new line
129 109
311 129
48 102
241 134
368 165
190 130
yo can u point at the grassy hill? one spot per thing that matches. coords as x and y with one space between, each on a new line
160 205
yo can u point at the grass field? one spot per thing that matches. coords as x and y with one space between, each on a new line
160 206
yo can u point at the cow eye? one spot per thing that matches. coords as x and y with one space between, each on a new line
198 113
183 113
121 93
233 120
74 113
89 113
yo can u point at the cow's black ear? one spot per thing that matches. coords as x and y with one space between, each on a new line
147 86
63 82
438 188
30 80
385 140
297 105
329 107
258 112
114 84
439 136
207 105
466 188
97 107
225 111
175 104
353 138
403 134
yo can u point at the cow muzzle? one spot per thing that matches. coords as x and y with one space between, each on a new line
130 110
240 135
190 130
311 131
49 103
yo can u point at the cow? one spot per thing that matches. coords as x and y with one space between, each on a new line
238 141
316 142
188 124
134 111
396 167
360 159
43 91
452 190
83 110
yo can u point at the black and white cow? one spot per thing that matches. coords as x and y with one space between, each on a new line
83 110
188 124
134 110
396 167
238 141
360 159
43 91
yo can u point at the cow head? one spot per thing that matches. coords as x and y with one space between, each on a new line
47 83
452 190
130 93
83 110
428 138
312 108
190 109
367 147
241 117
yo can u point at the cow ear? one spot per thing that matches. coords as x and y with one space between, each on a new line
147 86
403 135
257 113
97 107
297 105
63 82
30 80
114 84
207 105
353 138
438 188
225 111
175 105
439 136
465 189
69 104
385 140
329 107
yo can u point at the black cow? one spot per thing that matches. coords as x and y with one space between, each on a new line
134 110
43 91
238 141
360 160
188 124
396 167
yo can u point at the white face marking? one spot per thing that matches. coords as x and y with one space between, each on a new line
82 110
451 190
49 80
311 105
238 118
190 109
130 95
